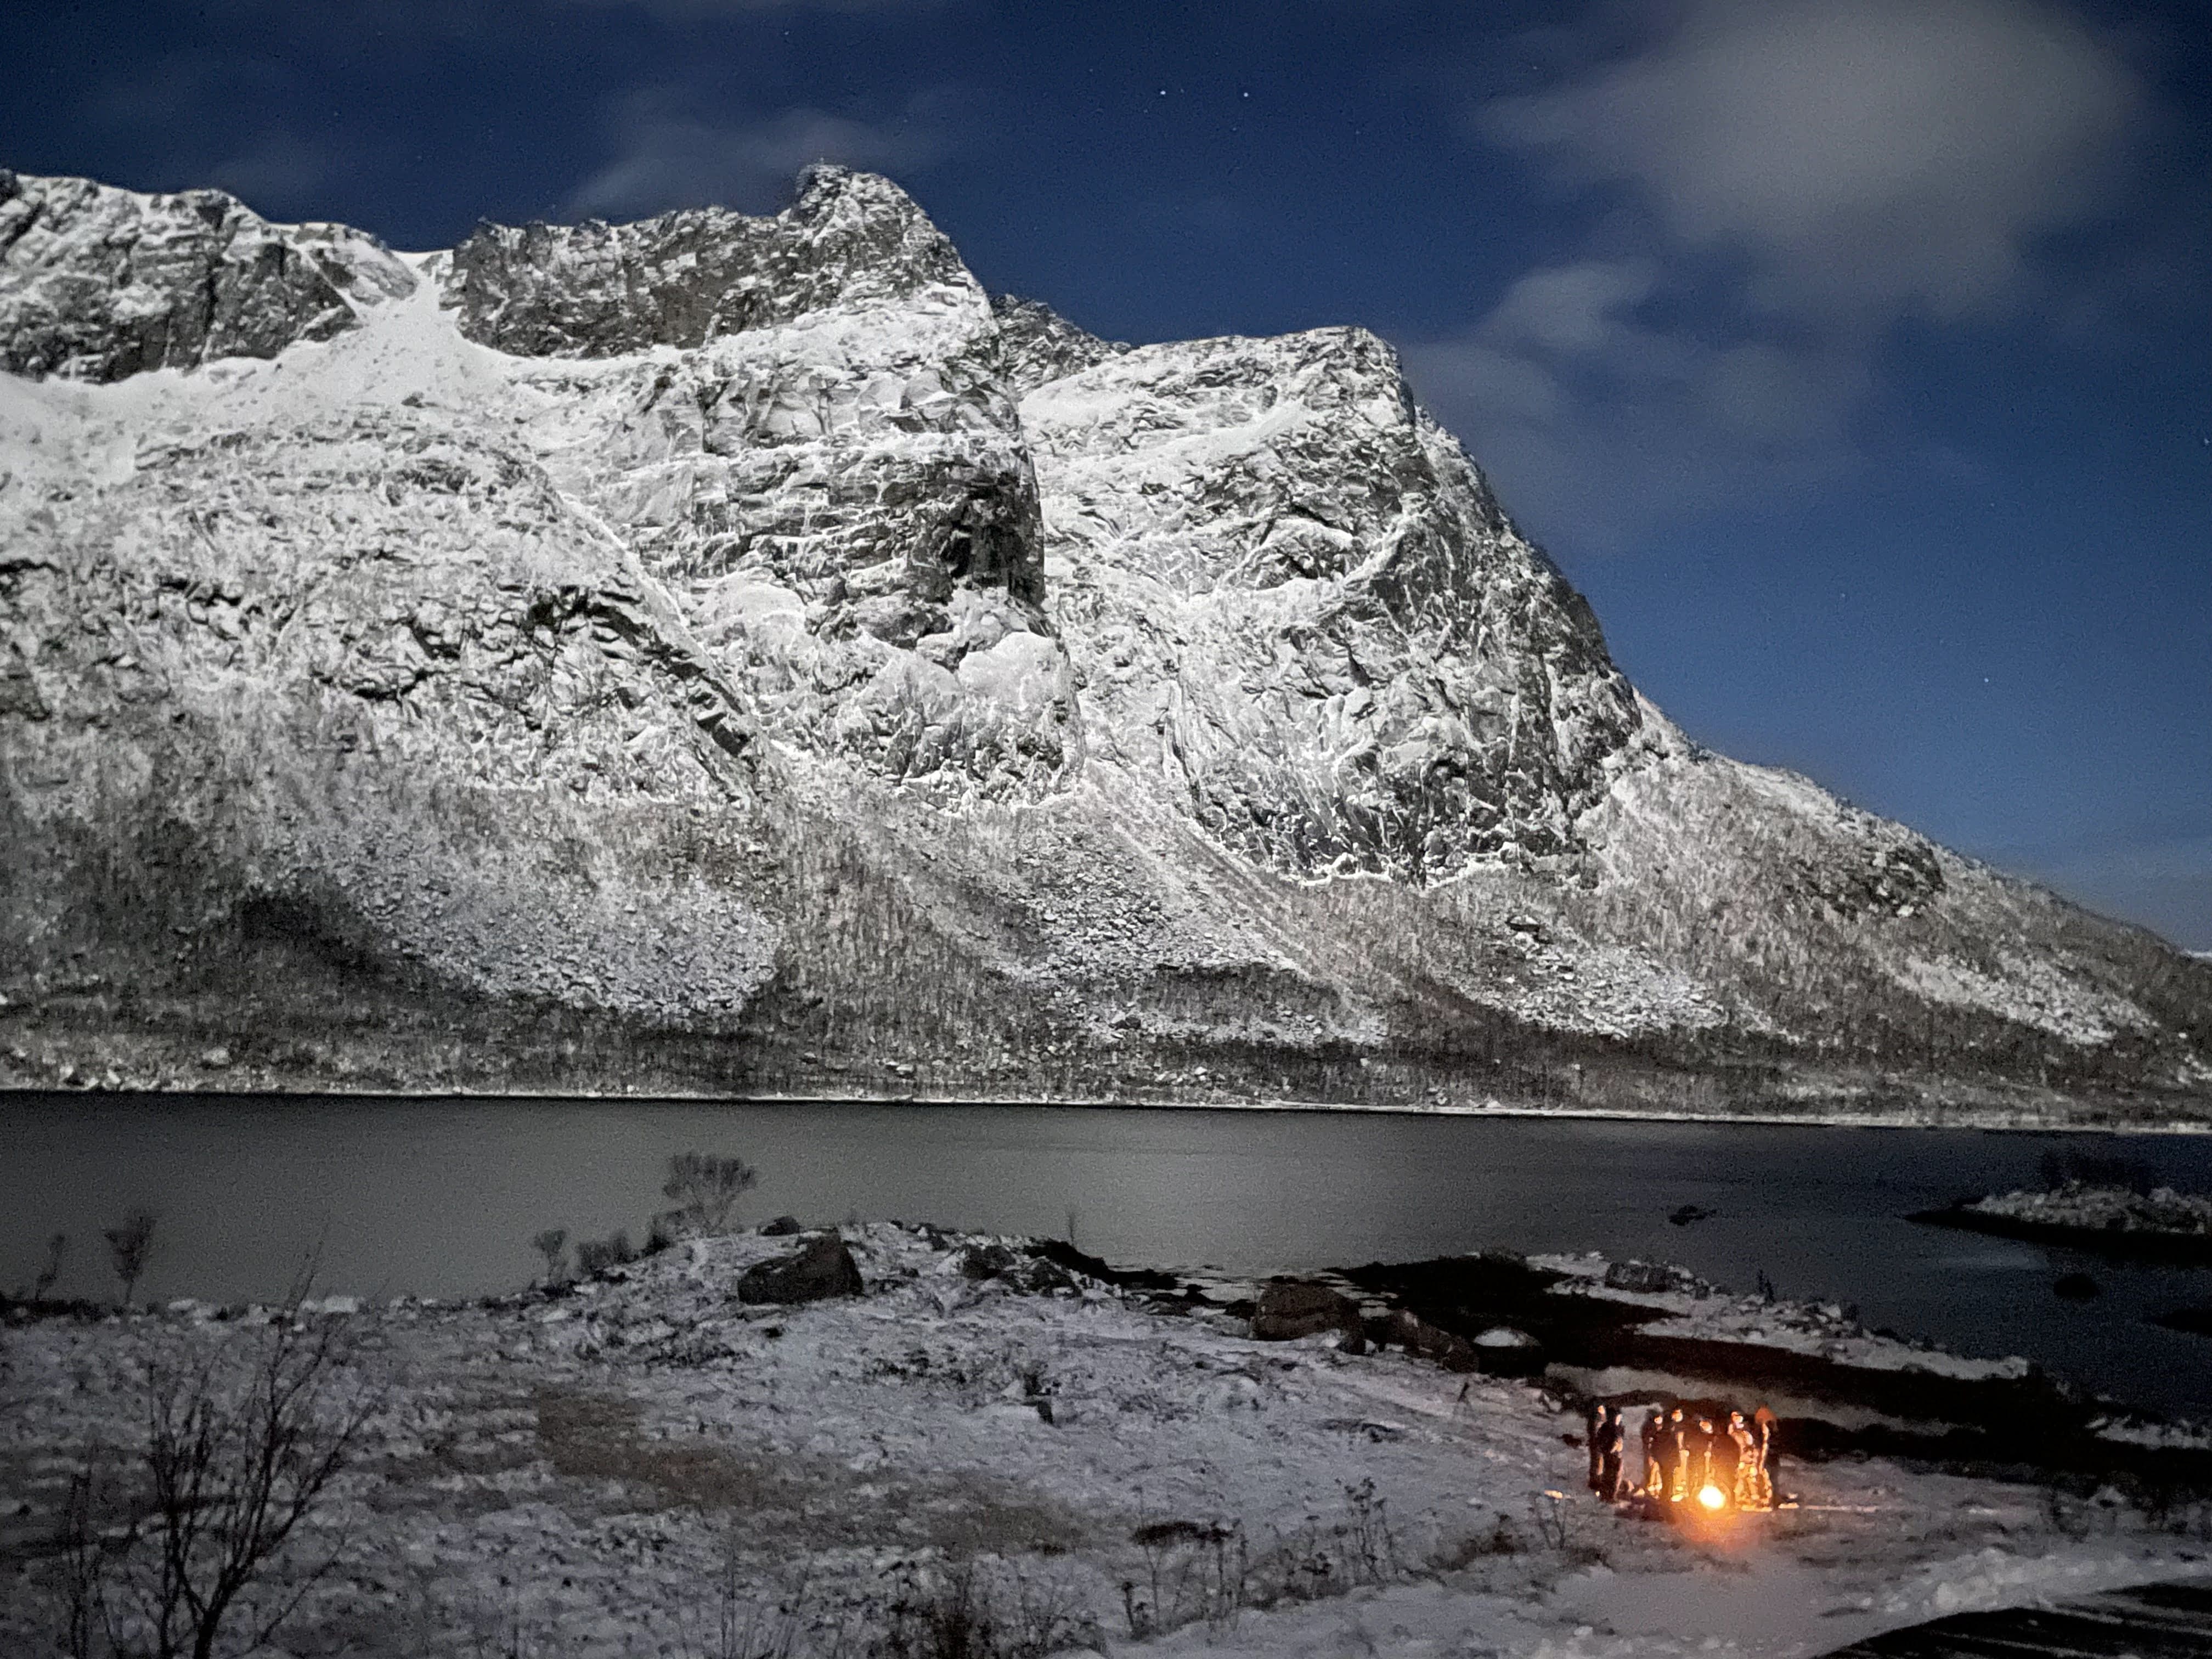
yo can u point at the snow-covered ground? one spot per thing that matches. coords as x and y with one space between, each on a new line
619 1468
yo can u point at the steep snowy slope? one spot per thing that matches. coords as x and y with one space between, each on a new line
737 653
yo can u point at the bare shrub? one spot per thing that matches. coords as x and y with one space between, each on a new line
741 1624
42 1286
2096 1170
1193 1570
553 1245
706 1188
128 1244
163 1557
596 1255
1555 1522
960 1612
1206 1570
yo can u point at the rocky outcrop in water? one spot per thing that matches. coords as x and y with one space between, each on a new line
738 654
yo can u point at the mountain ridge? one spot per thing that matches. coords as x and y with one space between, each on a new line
737 654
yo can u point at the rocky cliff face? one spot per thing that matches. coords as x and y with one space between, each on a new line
100 283
729 653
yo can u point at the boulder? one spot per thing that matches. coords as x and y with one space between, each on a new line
981 1261
820 1268
1645 1278
781 1227
1034 1274
1502 1351
1417 1337
1290 1309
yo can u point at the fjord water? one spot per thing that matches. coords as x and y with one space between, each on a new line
441 1197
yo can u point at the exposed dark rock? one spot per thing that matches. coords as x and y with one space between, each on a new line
823 1268
1060 1252
1508 1351
782 1226
1026 1270
97 284
1647 1276
1038 345
1290 1309
596 289
1417 1336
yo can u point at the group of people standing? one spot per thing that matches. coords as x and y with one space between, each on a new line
1687 1456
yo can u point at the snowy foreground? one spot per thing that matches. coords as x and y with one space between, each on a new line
641 1464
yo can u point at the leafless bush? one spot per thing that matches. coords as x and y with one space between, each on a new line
129 1244
42 1286
706 1188
1193 1571
596 1255
742 1625
553 1245
960 1613
1207 1571
2096 1170
1554 1521
164 1555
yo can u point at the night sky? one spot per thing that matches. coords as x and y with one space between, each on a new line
1855 359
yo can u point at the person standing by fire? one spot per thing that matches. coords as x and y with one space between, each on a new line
1594 1437
1747 1462
1678 1456
1764 1423
1613 1451
1653 1436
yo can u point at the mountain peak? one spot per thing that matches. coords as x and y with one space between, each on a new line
98 282
681 278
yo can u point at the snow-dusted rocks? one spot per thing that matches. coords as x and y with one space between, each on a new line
851 239
96 283
1292 594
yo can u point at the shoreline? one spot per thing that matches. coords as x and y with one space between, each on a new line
1980 1120
2135 1244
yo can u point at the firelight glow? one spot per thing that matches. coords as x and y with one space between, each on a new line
1711 1497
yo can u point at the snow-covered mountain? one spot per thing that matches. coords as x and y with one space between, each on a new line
740 653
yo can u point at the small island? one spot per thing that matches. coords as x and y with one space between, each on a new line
2114 1219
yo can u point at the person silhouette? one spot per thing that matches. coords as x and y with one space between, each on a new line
1654 1437
1613 1447
1747 1461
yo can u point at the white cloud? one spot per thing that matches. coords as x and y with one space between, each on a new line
668 156
1876 155
1789 179
1595 419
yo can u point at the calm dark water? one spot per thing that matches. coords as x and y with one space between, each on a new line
441 1197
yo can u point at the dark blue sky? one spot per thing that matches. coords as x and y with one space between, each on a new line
1855 357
